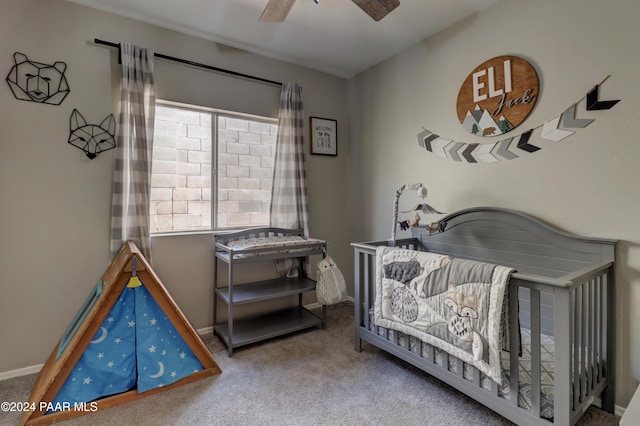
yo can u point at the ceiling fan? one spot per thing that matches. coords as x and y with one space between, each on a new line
277 10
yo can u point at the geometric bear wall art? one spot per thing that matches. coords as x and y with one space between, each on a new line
92 139
129 340
38 82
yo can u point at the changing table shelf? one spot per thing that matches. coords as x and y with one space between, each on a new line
265 290
267 326
262 245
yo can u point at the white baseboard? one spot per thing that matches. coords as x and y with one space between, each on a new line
618 410
204 331
317 305
21 372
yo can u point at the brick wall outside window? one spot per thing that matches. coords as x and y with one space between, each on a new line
182 177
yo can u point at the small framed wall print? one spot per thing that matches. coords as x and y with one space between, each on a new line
324 136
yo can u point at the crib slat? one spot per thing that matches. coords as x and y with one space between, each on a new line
366 272
494 387
417 347
574 345
607 397
476 377
608 335
600 292
577 321
460 368
358 292
535 353
514 346
603 330
592 315
563 314
589 342
431 354
583 344
445 361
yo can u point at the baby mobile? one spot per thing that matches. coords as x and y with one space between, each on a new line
421 207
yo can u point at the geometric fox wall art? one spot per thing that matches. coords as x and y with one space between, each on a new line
38 82
92 139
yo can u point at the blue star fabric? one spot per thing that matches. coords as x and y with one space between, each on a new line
108 364
163 355
136 346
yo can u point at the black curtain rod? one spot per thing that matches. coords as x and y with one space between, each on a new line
196 64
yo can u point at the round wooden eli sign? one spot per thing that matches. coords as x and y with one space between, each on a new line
497 96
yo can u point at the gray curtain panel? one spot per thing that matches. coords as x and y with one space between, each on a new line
134 139
289 190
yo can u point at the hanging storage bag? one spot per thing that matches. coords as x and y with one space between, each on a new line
330 288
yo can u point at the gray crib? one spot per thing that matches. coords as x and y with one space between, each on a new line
561 357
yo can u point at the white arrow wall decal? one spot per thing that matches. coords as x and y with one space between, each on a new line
552 132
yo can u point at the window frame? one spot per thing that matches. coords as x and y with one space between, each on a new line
215 114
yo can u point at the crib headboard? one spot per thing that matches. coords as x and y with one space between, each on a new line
515 239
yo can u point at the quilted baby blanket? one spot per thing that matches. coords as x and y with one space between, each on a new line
457 305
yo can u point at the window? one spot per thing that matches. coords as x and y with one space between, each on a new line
211 169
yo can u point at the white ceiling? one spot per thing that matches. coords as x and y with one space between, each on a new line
334 36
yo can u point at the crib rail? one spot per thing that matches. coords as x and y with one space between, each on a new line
583 335
590 301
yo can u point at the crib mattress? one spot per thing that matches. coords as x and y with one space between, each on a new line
504 390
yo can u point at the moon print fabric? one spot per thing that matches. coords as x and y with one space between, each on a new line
136 345
163 355
108 365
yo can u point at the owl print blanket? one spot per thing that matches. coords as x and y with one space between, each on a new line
457 305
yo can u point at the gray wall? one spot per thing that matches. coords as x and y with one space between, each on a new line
585 184
55 203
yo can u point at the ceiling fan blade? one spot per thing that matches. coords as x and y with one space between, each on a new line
377 9
276 10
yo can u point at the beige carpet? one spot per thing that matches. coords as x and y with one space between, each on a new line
310 378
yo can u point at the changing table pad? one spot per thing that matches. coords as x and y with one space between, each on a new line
283 244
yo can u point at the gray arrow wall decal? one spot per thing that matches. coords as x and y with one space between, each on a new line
569 119
428 140
421 137
453 151
467 153
502 149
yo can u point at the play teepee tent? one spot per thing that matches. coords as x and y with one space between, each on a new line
128 340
